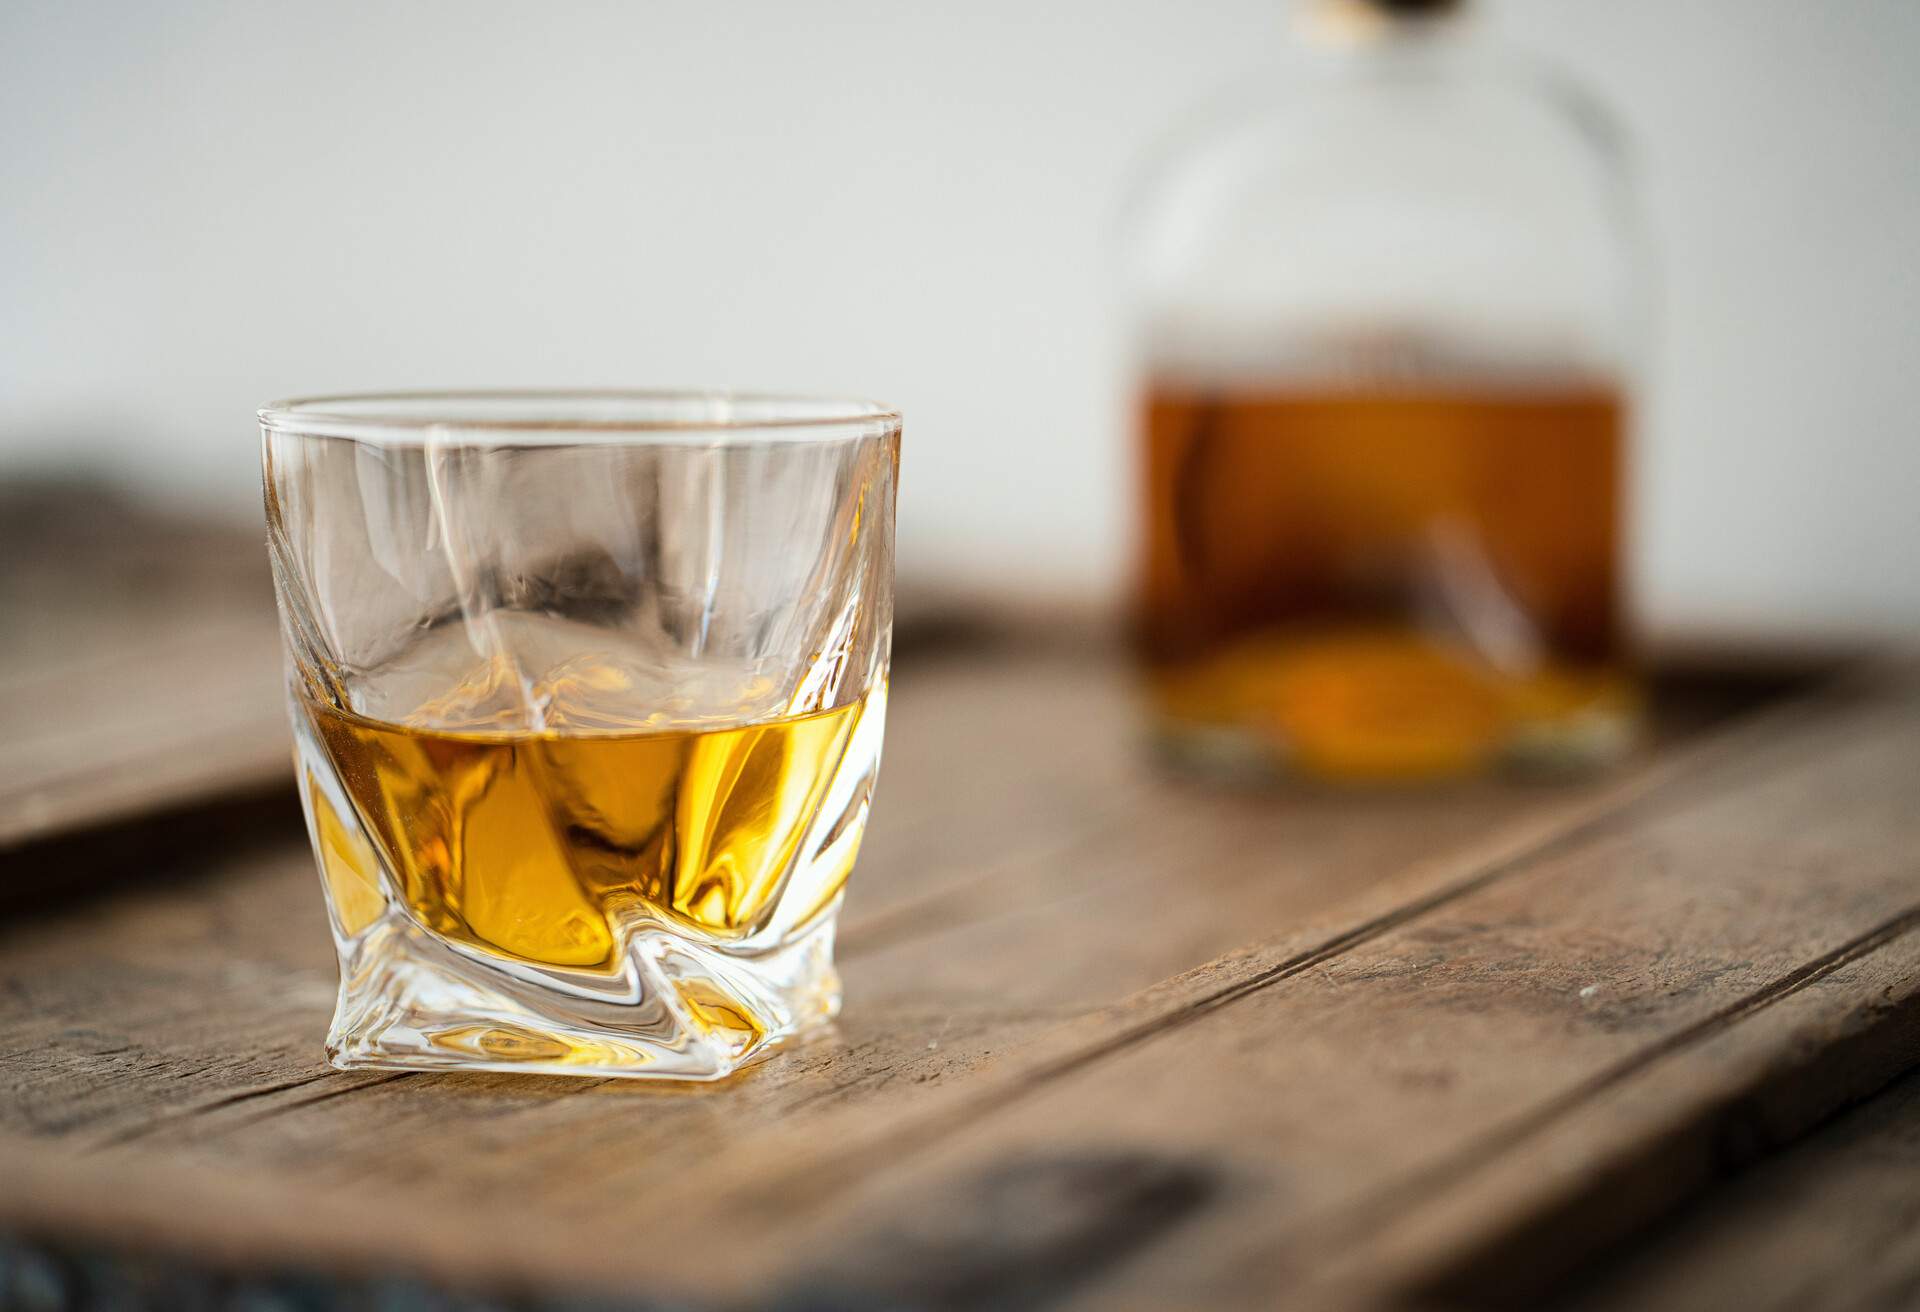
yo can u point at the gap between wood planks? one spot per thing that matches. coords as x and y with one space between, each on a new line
1832 1222
1408 1194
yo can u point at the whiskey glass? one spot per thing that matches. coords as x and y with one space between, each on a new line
587 692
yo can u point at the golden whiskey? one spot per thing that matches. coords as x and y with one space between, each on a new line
1382 582
542 845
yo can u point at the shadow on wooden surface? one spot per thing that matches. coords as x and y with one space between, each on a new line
167 845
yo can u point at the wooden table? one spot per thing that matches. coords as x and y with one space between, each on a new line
1111 1040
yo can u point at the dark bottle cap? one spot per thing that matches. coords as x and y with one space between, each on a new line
1417 8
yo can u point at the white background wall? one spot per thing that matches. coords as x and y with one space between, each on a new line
204 206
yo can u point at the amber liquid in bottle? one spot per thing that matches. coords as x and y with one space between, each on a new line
538 846
1399 581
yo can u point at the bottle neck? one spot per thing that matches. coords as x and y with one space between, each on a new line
1395 28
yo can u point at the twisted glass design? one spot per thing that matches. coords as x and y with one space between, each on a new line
587 694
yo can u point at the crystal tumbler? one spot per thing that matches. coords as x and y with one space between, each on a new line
587 693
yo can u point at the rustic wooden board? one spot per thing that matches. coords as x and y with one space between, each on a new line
1109 1039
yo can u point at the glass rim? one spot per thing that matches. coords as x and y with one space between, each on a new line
581 416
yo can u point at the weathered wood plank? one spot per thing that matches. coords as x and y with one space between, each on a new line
139 665
170 1040
1646 1135
1833 1223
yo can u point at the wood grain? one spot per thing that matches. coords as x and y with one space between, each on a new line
1110 1039
1831 1224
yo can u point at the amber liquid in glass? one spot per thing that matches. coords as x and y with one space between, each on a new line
540 845
1385 582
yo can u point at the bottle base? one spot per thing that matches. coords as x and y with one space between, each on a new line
1386 707
1251 756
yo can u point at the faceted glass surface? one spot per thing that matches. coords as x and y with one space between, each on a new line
587 694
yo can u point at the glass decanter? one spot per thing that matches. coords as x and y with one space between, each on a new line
1385 316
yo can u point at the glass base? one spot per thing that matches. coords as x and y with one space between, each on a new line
674 1010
